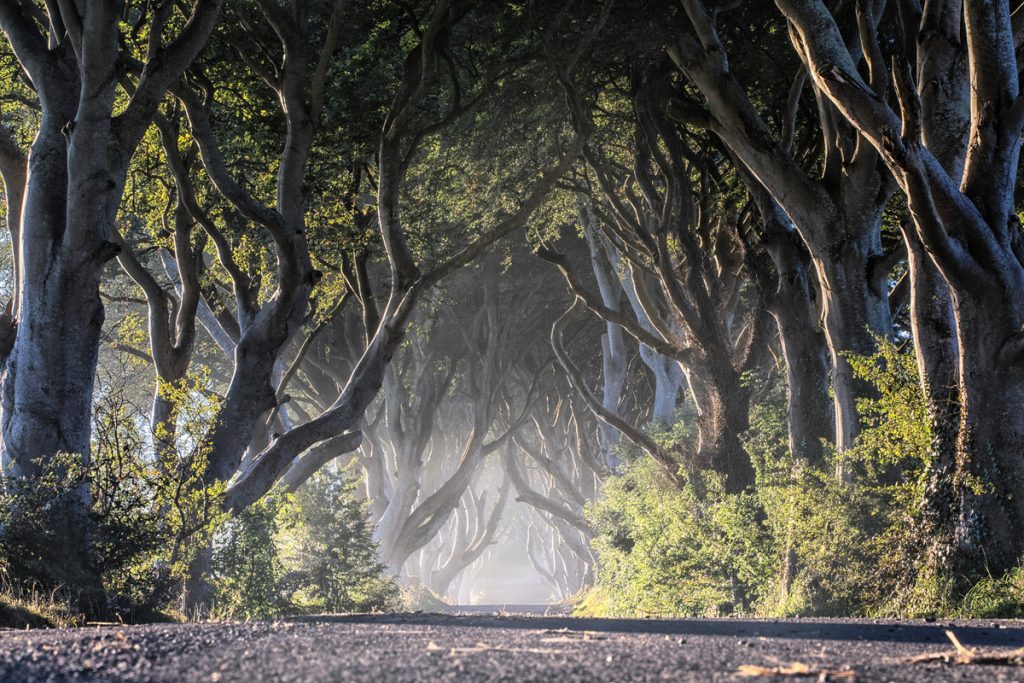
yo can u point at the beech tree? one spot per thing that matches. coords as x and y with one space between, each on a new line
79 58
404 131
837 211
963 215
782 290
685 273
472 531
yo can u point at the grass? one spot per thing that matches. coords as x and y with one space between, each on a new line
996 597
24 609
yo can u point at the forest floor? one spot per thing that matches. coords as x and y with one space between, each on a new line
509 647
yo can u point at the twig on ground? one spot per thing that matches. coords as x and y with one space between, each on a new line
960 654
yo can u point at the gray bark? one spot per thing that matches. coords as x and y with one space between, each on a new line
469 547
613 344
13 172
77 168
941 63
965 229
788 295
838 217
668 378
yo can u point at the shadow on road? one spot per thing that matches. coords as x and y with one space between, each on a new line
986 634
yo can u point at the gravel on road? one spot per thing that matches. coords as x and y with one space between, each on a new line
508 647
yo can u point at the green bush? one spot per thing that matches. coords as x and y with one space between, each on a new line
992 598
150 512
801 542
311 552
664 552
30 559
247 566
328 550
146 513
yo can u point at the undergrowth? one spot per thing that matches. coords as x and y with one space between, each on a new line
24 608
802 542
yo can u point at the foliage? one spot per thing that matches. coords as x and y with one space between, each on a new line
311 552
801 542
22 608
1001 597
668 552
329 552
29 560
148 512
247 565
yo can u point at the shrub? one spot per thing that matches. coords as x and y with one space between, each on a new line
664 552
992 598
801 542
247 565
311 552
147 511
329 552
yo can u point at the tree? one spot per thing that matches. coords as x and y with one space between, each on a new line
74 57
402 136
838 214
965 221
684 271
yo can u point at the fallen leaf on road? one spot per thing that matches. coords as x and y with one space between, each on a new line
479 647
561 639
962 654
562 635
794 669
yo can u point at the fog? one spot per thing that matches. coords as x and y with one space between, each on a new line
506 577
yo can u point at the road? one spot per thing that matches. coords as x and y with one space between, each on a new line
506 647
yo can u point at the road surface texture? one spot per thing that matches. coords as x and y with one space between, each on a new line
514 647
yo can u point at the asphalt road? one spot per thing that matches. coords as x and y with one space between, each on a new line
505 647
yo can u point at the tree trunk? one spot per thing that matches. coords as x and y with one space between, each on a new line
936 349
790 298
723 414
163 423
667 380
838 215
945 101
856 310
613 343
197 591
49 375
389 528
809 409
964 225
990 475
249 395
48 382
